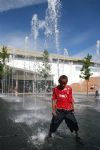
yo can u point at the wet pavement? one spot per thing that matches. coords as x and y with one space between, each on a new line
24 124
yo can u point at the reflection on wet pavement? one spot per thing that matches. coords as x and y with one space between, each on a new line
25 127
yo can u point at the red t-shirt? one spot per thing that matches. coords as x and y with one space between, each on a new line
63 98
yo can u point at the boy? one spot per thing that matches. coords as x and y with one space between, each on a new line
63 108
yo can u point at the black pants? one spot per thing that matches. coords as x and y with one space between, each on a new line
69 118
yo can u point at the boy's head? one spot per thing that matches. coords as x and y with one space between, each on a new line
63 81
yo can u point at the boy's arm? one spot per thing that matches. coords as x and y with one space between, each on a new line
72 100
54 107
54 100
72 105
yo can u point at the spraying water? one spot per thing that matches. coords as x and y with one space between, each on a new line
36 24
51 23
34 29
98 47
26 43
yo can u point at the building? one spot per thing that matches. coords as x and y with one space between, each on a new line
25 65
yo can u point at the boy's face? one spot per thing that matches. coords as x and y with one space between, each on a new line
63 83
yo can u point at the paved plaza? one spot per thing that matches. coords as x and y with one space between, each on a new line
24 124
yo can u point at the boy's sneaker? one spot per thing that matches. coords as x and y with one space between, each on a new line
79 140
48 137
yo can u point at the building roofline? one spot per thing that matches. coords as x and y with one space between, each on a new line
32 53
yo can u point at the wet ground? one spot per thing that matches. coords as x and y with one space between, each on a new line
24 124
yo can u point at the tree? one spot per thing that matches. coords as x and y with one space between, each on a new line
85 70
3 56
44 70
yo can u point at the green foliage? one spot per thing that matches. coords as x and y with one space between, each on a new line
85 70
3 56
45 69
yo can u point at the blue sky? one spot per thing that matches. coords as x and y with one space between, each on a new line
79 24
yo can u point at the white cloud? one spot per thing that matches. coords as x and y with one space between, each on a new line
82 37
12 4
91 50
17 40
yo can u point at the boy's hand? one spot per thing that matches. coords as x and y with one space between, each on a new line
54 113
73 110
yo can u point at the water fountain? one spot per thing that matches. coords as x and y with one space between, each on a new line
24 74
51 23
32 114
34 29
34 111
65 55
98 47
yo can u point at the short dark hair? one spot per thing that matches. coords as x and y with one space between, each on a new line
63 77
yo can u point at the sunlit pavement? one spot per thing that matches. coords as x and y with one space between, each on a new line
24 124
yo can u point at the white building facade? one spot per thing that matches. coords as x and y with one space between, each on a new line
31 61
